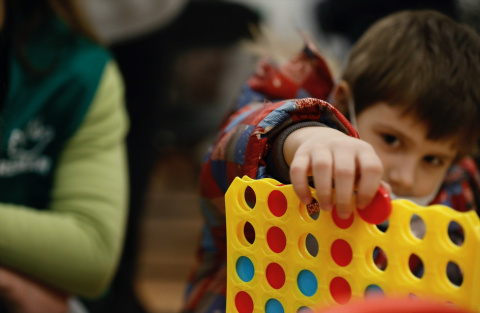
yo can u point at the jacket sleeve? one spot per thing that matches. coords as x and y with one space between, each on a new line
263 118
75 245
244 144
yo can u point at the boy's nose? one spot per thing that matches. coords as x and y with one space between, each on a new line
401 177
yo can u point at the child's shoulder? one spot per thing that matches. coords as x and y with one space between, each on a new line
461 186
307 74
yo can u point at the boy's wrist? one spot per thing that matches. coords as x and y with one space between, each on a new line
281 165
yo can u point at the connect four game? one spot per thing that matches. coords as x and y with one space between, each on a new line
282 258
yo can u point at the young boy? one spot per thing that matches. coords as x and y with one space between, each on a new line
411 80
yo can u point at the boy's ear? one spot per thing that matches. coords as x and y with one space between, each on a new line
341 96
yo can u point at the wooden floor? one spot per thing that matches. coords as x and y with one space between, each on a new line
170 227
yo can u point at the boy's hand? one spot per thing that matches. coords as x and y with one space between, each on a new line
339 165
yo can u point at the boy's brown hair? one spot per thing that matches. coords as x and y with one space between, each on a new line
426 62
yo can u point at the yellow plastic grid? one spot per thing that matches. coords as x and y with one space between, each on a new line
254 285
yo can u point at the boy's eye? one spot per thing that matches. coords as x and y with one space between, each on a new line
433 160
391 140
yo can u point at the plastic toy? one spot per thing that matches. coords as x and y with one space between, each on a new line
282 259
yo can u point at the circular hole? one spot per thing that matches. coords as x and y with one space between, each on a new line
340 290
275 275
383 227
380 258
313 209
311 244
243 302
304 309
415 265
249 232
374 291
277 203
245 269
308 246
454 273
315 216
274 306
276 239
417 226
340 222
250 197
310 212
307 283
341 252
456 233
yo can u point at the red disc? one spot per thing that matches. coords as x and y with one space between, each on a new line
275 275
277 203
340 290
276 239
243 302
379 209
340 222
341 252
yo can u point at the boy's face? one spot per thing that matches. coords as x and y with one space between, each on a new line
413 165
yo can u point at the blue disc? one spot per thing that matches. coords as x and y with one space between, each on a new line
274 306
245 269
307 283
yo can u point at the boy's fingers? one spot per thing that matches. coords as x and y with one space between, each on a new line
371 171
299 178
387 186
322 165
344 176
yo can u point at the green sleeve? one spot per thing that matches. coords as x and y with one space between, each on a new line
76 244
